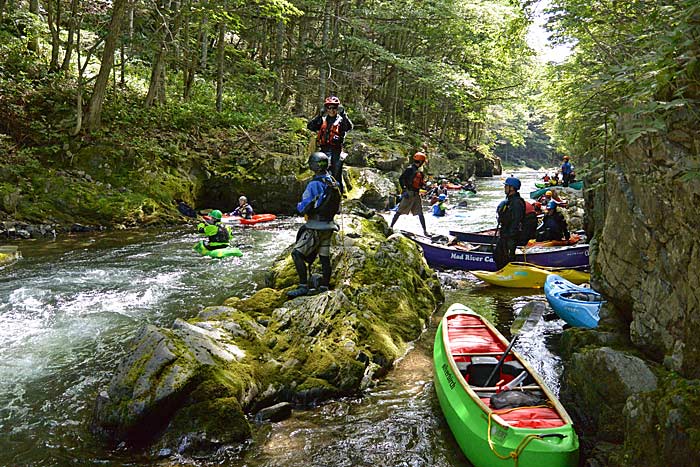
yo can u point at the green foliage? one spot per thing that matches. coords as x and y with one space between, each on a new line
635 63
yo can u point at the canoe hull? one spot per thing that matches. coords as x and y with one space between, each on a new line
468 421
450 257
579 313
218 253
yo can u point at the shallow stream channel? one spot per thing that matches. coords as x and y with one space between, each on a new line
69 307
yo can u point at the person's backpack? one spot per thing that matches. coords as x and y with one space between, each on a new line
330 201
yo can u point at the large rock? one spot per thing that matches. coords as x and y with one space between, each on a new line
195 383
598 402
648 250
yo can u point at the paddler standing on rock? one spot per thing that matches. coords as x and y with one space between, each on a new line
319 204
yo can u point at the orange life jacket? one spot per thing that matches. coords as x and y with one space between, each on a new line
329 137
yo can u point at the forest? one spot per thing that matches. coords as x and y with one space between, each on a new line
155 80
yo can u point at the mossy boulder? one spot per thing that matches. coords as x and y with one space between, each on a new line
188 389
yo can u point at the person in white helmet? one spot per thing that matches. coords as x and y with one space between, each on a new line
244 209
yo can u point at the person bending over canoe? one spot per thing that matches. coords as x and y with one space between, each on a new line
553 226
218 235
511 212
244 209
412 180
319 204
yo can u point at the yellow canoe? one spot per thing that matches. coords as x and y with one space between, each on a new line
525 275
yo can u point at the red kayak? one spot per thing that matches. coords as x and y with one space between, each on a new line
258 218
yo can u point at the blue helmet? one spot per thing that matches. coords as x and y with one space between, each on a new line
442 197
552 205
514 182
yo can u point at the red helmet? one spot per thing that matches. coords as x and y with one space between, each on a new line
566 158
419 156
331 100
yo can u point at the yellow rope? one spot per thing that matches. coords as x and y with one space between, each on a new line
515 454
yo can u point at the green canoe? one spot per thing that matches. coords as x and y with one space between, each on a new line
466 349
218 253
577 185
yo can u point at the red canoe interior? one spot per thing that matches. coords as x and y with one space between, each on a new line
469 340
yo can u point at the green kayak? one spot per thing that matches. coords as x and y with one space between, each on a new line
218 253
538 433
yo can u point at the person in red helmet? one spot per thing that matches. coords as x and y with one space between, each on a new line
331 125
412 180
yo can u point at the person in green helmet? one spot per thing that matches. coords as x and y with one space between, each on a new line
218 234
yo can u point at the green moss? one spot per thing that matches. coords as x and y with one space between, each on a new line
262 302
216 422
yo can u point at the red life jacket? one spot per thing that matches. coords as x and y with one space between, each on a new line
529 208
329 137
418 181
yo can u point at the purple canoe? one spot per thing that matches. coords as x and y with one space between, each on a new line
473 257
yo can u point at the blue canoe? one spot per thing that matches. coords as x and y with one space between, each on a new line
578 306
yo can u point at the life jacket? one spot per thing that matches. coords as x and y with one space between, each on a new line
418 181
528 226
330 135
329 205
221 235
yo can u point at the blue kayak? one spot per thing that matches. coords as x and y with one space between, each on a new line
218 253
578 306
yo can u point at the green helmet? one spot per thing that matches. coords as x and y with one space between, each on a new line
216 214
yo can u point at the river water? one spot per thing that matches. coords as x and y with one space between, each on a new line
69 307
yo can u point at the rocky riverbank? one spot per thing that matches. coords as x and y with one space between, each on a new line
194 387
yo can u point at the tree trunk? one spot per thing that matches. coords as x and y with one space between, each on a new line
97 99
33 44
53 18
277 63
204 40
221 47
300 71
72 26
323 77
79 103
157 70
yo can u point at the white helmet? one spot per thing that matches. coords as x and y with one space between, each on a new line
243 198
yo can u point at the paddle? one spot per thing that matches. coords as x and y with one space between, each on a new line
527 319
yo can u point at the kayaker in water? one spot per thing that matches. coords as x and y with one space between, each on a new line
440 208
553 226
319 204
510 216
244 209
218 234
412 180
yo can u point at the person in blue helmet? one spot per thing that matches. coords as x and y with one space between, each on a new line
511 212
319 204
554 225
440 208
218 235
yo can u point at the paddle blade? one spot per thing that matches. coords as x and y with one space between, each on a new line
528 318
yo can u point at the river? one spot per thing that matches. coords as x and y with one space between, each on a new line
69 307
